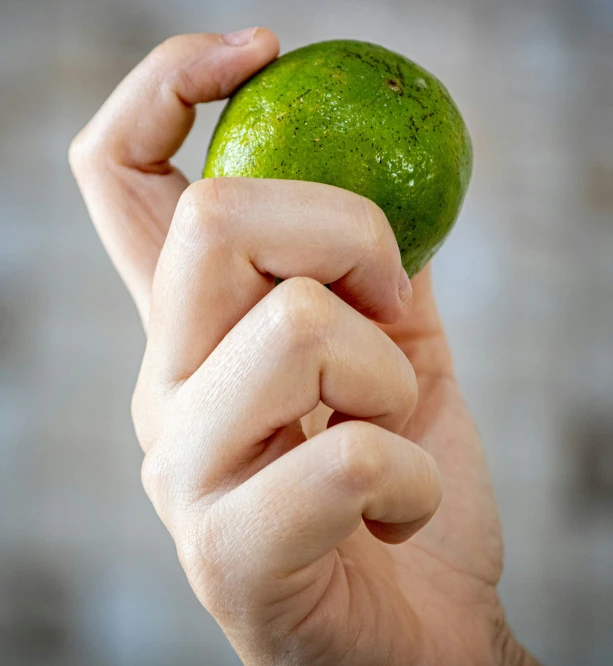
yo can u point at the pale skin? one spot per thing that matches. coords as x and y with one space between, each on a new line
371 538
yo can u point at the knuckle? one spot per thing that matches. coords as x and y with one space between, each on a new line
303 310
206 564
361 456
200 209
205 193
78 151
150 405
170 47
177 59
155 474
167 57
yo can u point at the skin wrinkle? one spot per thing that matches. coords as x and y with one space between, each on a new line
304 602
335 568
381 639
179 83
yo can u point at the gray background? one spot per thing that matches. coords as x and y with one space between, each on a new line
88 575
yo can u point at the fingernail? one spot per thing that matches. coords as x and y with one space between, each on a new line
405 290
239 38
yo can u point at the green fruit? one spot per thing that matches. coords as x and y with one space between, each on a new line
357 116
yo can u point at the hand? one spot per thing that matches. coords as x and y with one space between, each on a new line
282 524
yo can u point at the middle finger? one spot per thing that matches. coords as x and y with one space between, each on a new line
299 345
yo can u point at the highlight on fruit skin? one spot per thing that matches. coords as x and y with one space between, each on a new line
358 116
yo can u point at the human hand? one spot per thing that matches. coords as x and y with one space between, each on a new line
283 525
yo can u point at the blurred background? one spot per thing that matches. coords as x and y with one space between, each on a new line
88 575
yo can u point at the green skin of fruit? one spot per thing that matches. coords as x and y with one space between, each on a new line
360 117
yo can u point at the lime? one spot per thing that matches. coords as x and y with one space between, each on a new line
357 116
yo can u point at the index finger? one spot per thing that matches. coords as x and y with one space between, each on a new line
121 158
